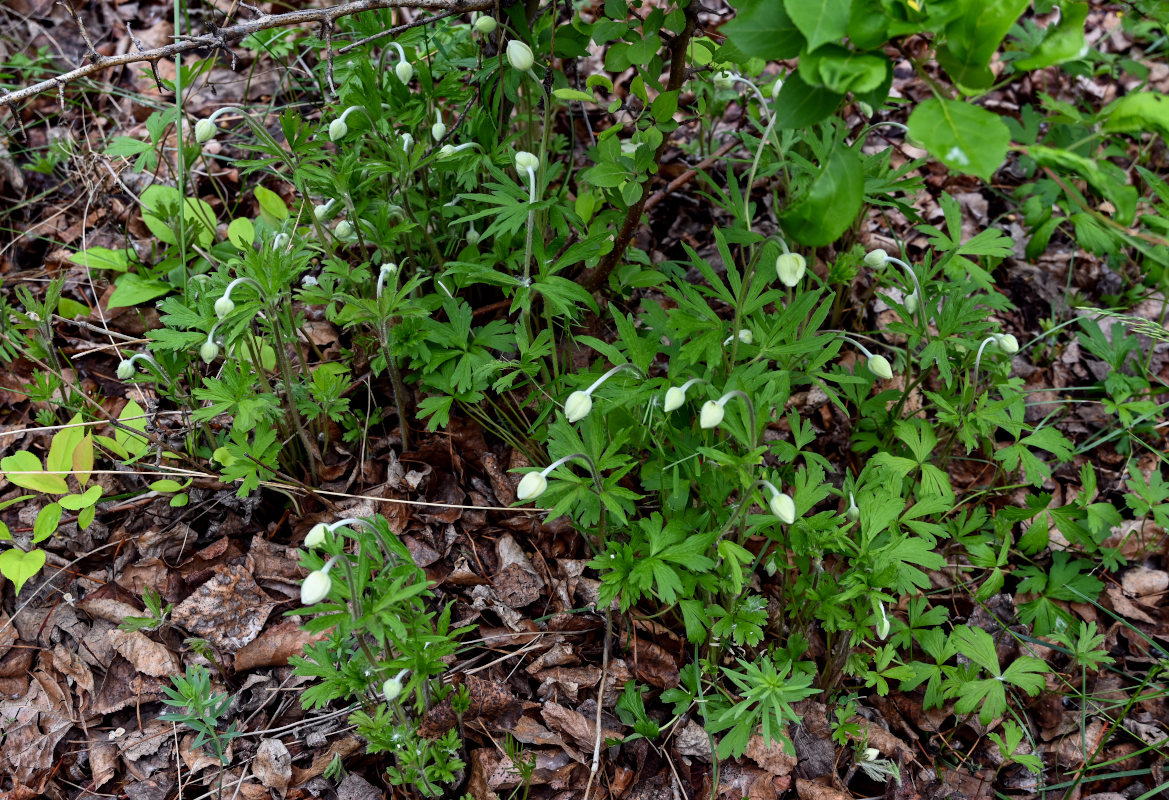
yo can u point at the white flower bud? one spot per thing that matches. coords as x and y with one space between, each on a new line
711 414
852 513
344 229
209 351
883 623
404 70
525 161
724 79
879 366
391 689
125 370
746 337
337 130
486 24
407 142
224 306
1007 343
775 87
472 235
783 507
577 406
321 212
675 397
531 486
315 588
204 131
876 258
316 535
437 130
446 151
790 268
871 754
519 55
911 302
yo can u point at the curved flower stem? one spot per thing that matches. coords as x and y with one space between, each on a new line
925 319
752 434
611 373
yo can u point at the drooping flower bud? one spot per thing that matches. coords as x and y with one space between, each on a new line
531 486
790 268
724 79
321 212
775 87
391 689
746 336
879 366
783 506
404 70
204 131
473 235
876 258
438 129
344 229
519 55
315 588
316 535
911 302
852 513
711 414
486 24
224 306
871 754
337 130
125 370
209 351
525 161
675 397
1007 343
577 406
883 622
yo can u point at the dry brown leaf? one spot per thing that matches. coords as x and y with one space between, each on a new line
273 765
199 758
342 748
103 760
770 756
812 790
273 647
32 727
1141 581
70 665
579 729
146 655
229 610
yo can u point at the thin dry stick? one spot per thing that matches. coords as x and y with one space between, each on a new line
600 701
223 38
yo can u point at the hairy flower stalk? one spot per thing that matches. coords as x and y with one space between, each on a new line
224 305
533 484
528 163
448 150
877 364
126 367
1006 343
580 403
879 258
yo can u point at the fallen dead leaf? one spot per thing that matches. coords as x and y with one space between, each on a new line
273 647
146 655
273 765
229 610
770 756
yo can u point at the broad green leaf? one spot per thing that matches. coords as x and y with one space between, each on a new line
1063 41
159 201
18 566
964 137
83 459
85 516
48 518
841 70
241 232
821 21
102 258
166 485
134 419
180 500
76 502
132 289
826 209
272 207
800 105
664 106
1138 112
71 309
34 478
570 95
763 29
971 40
65 441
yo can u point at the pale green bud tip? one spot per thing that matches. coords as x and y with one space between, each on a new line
204 131
883 625
337 130
911 302
125 370
675 397
1007 343
473 236
315 588
775 87
391 689
486 24
405 71
877 258
438 130
724 79
577 406
783 507
209 351
531 486
446 151
316 535
746 337
790 268
852 513
525 161
224 306
519 55
344 229
321 212
879 366
711 415
871 754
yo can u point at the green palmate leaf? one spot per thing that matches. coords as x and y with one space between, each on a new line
18 566
132 289
821 21
1138 112
1104 176
1063 41
763 29
34 478
971 40
800 105
841 70
962 136
825 210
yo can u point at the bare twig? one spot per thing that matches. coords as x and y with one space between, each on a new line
223 38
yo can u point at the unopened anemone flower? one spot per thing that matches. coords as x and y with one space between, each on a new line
317 585
676 395
580 403
519 55
790 268
535 483
781 505
879 366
